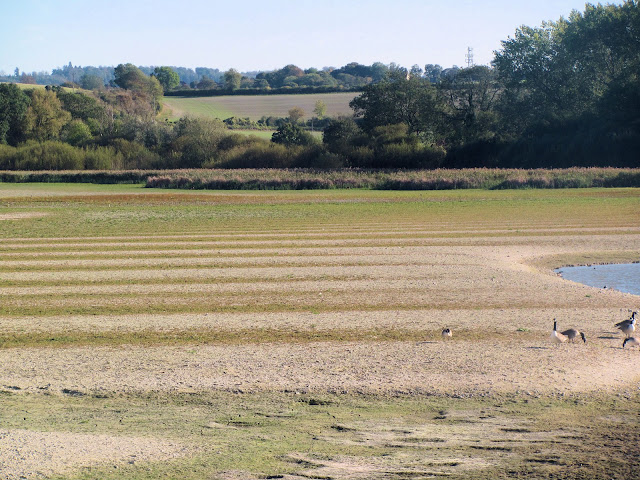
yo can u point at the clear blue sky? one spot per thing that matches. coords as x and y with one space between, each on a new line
38 35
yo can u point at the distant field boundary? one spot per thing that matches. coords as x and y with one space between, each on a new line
219 92
308 179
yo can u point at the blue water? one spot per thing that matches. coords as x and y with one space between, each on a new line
624 277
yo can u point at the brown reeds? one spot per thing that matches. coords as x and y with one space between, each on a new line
310 179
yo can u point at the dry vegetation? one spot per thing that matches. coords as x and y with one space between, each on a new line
150 333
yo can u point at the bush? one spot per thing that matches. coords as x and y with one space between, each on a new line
267 155
76 133
102 158
7 157
196 142
403 155
290 134
361 157
50 155
318 157
132 156
239 140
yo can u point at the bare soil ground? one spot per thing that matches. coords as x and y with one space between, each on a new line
29 454
494 290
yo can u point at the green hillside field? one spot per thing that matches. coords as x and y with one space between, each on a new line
255 106
32 86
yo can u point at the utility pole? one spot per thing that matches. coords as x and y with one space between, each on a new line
468 57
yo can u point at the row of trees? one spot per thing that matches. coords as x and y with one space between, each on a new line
117 128
292 78
566 93
352 75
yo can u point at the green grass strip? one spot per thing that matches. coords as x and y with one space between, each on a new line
207 336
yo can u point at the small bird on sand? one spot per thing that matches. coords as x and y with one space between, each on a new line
446 333
632 341
556 336
627 326
573 333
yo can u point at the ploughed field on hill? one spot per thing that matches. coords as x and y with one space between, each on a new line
257 106
211 334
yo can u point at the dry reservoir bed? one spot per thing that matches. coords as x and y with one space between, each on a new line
118 294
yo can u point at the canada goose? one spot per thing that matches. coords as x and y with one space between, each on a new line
572 334
556 336
632 341
446 333
628 326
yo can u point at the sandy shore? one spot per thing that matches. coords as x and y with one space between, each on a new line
501 344
491 291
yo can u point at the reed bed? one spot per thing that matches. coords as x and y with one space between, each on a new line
304 179
309 179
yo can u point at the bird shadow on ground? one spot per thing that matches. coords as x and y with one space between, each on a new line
538 348
426 341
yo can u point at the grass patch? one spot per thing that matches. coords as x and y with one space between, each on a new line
262 435
257 106
240 336
589 258
264 134
103 210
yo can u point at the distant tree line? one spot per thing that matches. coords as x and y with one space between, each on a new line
564 94
212 81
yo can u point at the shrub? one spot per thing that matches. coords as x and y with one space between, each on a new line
404 155
239 140
133 156
102 158
76 133
361 157
290 134
50 155
7 157
196 142
266 155
318 157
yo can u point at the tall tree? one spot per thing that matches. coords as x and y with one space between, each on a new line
232 79
399 98
470 95
320 109
167 77
295 114
433 72
13 107
604 42
45 117
129 77
562 69
91 82
530 68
